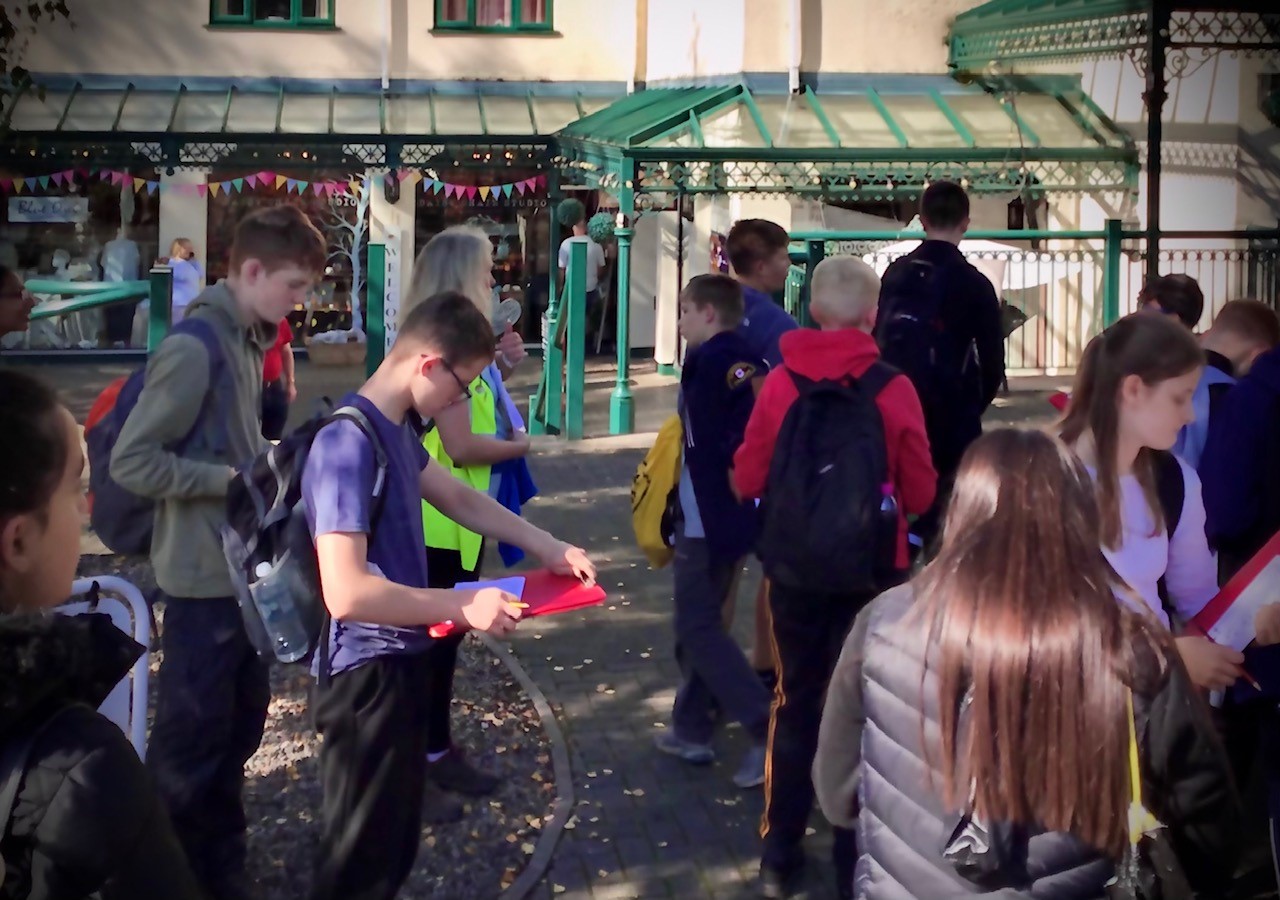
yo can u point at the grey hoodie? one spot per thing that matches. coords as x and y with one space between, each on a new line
191 489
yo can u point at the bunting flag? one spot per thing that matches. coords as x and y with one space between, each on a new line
270 181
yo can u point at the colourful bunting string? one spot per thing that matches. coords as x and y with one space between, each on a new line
269 181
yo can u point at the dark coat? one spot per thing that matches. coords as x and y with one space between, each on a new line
86 818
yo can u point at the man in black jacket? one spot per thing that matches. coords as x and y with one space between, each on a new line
965 365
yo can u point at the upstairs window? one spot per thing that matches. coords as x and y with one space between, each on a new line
493 15
272 13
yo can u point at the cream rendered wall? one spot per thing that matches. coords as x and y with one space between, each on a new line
878 35
594 41
706 37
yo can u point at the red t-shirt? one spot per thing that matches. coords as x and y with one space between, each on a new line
273 362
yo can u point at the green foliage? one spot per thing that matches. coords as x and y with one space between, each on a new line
570 212
19 20
600 227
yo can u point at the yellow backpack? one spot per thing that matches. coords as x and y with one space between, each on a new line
653 494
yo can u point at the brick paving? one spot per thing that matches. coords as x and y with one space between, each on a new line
645 824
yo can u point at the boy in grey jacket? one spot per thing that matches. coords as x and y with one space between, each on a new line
212 687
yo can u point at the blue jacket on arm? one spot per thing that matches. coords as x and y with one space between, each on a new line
717 402
763 325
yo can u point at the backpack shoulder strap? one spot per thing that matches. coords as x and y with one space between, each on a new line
204 332
353 414
877 378
1171 488
361 421
14 755
803 385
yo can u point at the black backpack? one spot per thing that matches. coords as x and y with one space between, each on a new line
820 525
270 549
913 339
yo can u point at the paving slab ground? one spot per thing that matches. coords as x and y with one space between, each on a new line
645 825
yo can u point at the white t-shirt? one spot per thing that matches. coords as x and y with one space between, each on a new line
1186 563
595 259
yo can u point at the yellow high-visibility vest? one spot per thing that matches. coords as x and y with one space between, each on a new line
440 531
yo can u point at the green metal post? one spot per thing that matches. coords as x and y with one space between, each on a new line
575 312
160 316
544 404
1111 256
817 250
1154 99
375 308
622 412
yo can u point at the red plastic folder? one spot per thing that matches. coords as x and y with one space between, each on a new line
545 593
1228 618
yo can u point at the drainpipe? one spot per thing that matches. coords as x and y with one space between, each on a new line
386 44
797 44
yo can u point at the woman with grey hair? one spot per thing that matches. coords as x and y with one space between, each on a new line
481 441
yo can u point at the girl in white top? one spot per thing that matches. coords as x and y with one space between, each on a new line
1132 396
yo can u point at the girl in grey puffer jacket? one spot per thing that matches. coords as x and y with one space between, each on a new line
998 683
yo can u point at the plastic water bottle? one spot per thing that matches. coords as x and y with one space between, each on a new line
272 596
887 528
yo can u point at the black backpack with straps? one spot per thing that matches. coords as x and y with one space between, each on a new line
270 549
820 524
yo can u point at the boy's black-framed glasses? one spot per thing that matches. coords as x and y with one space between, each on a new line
462 385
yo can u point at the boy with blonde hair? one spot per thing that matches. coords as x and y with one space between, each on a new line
834 434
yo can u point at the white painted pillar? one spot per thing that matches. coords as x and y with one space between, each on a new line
393 225
646 254
185 213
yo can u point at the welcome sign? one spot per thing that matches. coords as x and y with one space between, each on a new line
48 209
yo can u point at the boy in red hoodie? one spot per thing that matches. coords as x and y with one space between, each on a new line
808 629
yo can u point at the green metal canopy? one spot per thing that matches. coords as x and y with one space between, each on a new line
876 140
197 124
1008 31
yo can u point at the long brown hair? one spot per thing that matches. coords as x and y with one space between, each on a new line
1153 347
1032 652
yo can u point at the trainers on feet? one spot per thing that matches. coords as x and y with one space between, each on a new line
779 884
669 742
453 773
750 772
439 808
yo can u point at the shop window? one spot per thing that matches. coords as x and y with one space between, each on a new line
272 13
493 15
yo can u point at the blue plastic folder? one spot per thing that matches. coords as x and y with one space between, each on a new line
512 585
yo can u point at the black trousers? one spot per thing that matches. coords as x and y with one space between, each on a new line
444 570
809 630
372 769
211 706
275 409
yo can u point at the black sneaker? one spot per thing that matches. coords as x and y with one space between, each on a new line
780 884
453 773
439 808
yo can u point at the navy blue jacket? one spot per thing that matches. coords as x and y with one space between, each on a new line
763 325
1238 470
717 399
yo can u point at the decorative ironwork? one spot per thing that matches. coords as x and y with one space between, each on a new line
205 153
369 154
1007 31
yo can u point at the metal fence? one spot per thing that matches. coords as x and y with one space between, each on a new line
1057 296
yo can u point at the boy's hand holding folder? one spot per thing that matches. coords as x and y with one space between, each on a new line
537 593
